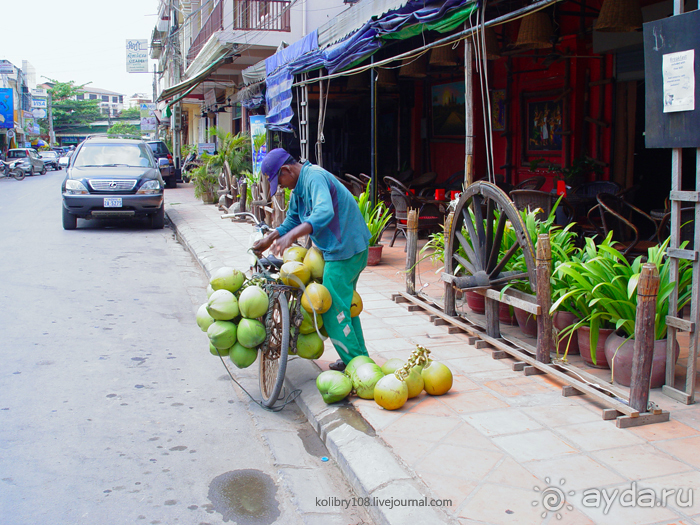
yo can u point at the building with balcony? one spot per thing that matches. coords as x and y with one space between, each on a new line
111 103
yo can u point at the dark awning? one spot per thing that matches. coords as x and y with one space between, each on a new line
186 86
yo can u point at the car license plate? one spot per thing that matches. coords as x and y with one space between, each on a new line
113 203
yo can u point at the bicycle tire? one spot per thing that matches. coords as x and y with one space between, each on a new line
273 359
18 174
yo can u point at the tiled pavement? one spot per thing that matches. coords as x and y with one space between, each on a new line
499 446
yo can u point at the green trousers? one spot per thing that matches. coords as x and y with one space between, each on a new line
345 332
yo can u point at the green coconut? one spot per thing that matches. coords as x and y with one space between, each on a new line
309 346
241 356
253 302
334 386
222 334
364 379
415 383
307 325
295 274
217 352
251 332
204 320
227 278
223 305
355 362
294 253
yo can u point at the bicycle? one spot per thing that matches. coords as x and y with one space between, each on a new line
283 314
8 169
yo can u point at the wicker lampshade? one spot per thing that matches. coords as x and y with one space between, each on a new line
444 56
386 77
535 31
358 82
619 16
414 67
493 50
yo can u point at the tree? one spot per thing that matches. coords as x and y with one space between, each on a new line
131 113
69 112
122 128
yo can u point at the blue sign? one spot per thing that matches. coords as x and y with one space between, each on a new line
7 119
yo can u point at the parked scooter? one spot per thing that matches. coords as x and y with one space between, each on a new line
189 164
12 169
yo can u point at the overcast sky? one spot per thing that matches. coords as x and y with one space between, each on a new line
80 40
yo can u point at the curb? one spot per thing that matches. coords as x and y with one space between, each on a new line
374 472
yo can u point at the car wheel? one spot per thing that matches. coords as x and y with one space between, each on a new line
43 170
70 222
158 219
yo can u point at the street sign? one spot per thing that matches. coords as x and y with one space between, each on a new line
137 56
39 103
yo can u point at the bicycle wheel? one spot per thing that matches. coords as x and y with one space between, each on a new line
18 174
273 358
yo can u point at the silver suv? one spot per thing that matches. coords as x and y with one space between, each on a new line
113 178
27 159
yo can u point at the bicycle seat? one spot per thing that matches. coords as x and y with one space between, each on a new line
270 261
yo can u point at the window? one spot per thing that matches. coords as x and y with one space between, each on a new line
80 97
105 98
93 97
121 99
115 100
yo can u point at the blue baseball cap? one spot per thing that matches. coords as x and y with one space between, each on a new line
271 165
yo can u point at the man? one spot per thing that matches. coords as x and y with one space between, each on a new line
321 207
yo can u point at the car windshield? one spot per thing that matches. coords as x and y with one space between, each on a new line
99 155
19 154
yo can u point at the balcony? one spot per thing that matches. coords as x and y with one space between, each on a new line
213 24
248 15
261 15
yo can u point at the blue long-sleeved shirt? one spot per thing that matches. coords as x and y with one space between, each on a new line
320 199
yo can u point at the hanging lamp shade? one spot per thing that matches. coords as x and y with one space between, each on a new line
493 50
386 77
444 56
414 67
535 31
619 16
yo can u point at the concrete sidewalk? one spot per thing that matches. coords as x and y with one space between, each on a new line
500 447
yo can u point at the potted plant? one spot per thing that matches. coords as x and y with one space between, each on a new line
205 181
377 218
603 286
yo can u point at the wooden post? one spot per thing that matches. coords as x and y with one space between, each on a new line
411 251
449 289
545 335
647 290
468 115
244 193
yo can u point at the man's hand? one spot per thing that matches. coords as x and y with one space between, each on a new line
292 235
263 244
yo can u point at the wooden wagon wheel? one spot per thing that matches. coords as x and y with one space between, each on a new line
474 257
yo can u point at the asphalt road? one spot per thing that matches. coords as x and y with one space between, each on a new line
112 410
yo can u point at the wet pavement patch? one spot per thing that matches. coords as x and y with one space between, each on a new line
246 497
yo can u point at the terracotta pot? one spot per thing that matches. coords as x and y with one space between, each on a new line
506 315
208 198
527 322
619 351
584 346
475 302
561 320
375 255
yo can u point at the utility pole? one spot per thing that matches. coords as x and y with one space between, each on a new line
52 135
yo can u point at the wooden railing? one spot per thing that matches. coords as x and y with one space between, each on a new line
213 24
261 15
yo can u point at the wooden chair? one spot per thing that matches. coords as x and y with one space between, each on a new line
429 216
532 200
687 227
617 215
357 187
533 183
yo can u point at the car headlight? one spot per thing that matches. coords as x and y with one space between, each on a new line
149 187
75 187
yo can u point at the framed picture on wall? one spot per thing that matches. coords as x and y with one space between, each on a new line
541 128
498 109
447 103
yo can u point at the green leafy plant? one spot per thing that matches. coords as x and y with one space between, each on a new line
376 217
602 288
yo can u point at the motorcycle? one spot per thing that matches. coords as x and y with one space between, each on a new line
189 164
13 169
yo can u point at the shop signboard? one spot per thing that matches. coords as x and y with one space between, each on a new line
6 67
7 119
149 122
137 56
39 103
209 147
258 134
